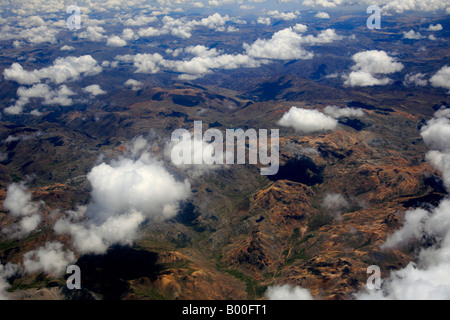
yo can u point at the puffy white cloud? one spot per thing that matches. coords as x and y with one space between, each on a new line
264 20
335 203
369 65
52 259
287 292
337 112
283 15
307 121
437 27
97 238
18 201
398 6
93 33
94 90
412 35
287 44
62 70
60 96
415 79
18 74
144 62
201 65
134 84
20 206
322 15
6 271
140 21
124 194
183 28
442 78
116 41
128 35
67 48
301 28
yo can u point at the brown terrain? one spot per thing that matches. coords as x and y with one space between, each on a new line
242 231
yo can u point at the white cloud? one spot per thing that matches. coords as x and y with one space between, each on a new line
287 292
287 44
413 35
337 112
335 203
144 62
62 70
283 15
442 78
140 21
199 149
60 96
415 79
20 206
67 48
264 20
94 90
322 15
93 33
124 194
134 84
398 6
18 201
51 259
6 271
369 65
307 121
128 35
437 27
116 41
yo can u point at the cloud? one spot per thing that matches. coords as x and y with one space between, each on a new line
197 148
335 204
337 112
51 258
67 48
413 35
415 79
134 84
287 44
6 271
183 27
94 90
437 27
322 15
287 292
63 69
116 41
201 65
60 96
442 78
18 201
124 194
369 65
264 20
20 206
93 33
283 15
398 6
307 121
335 201
144 62
140 20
